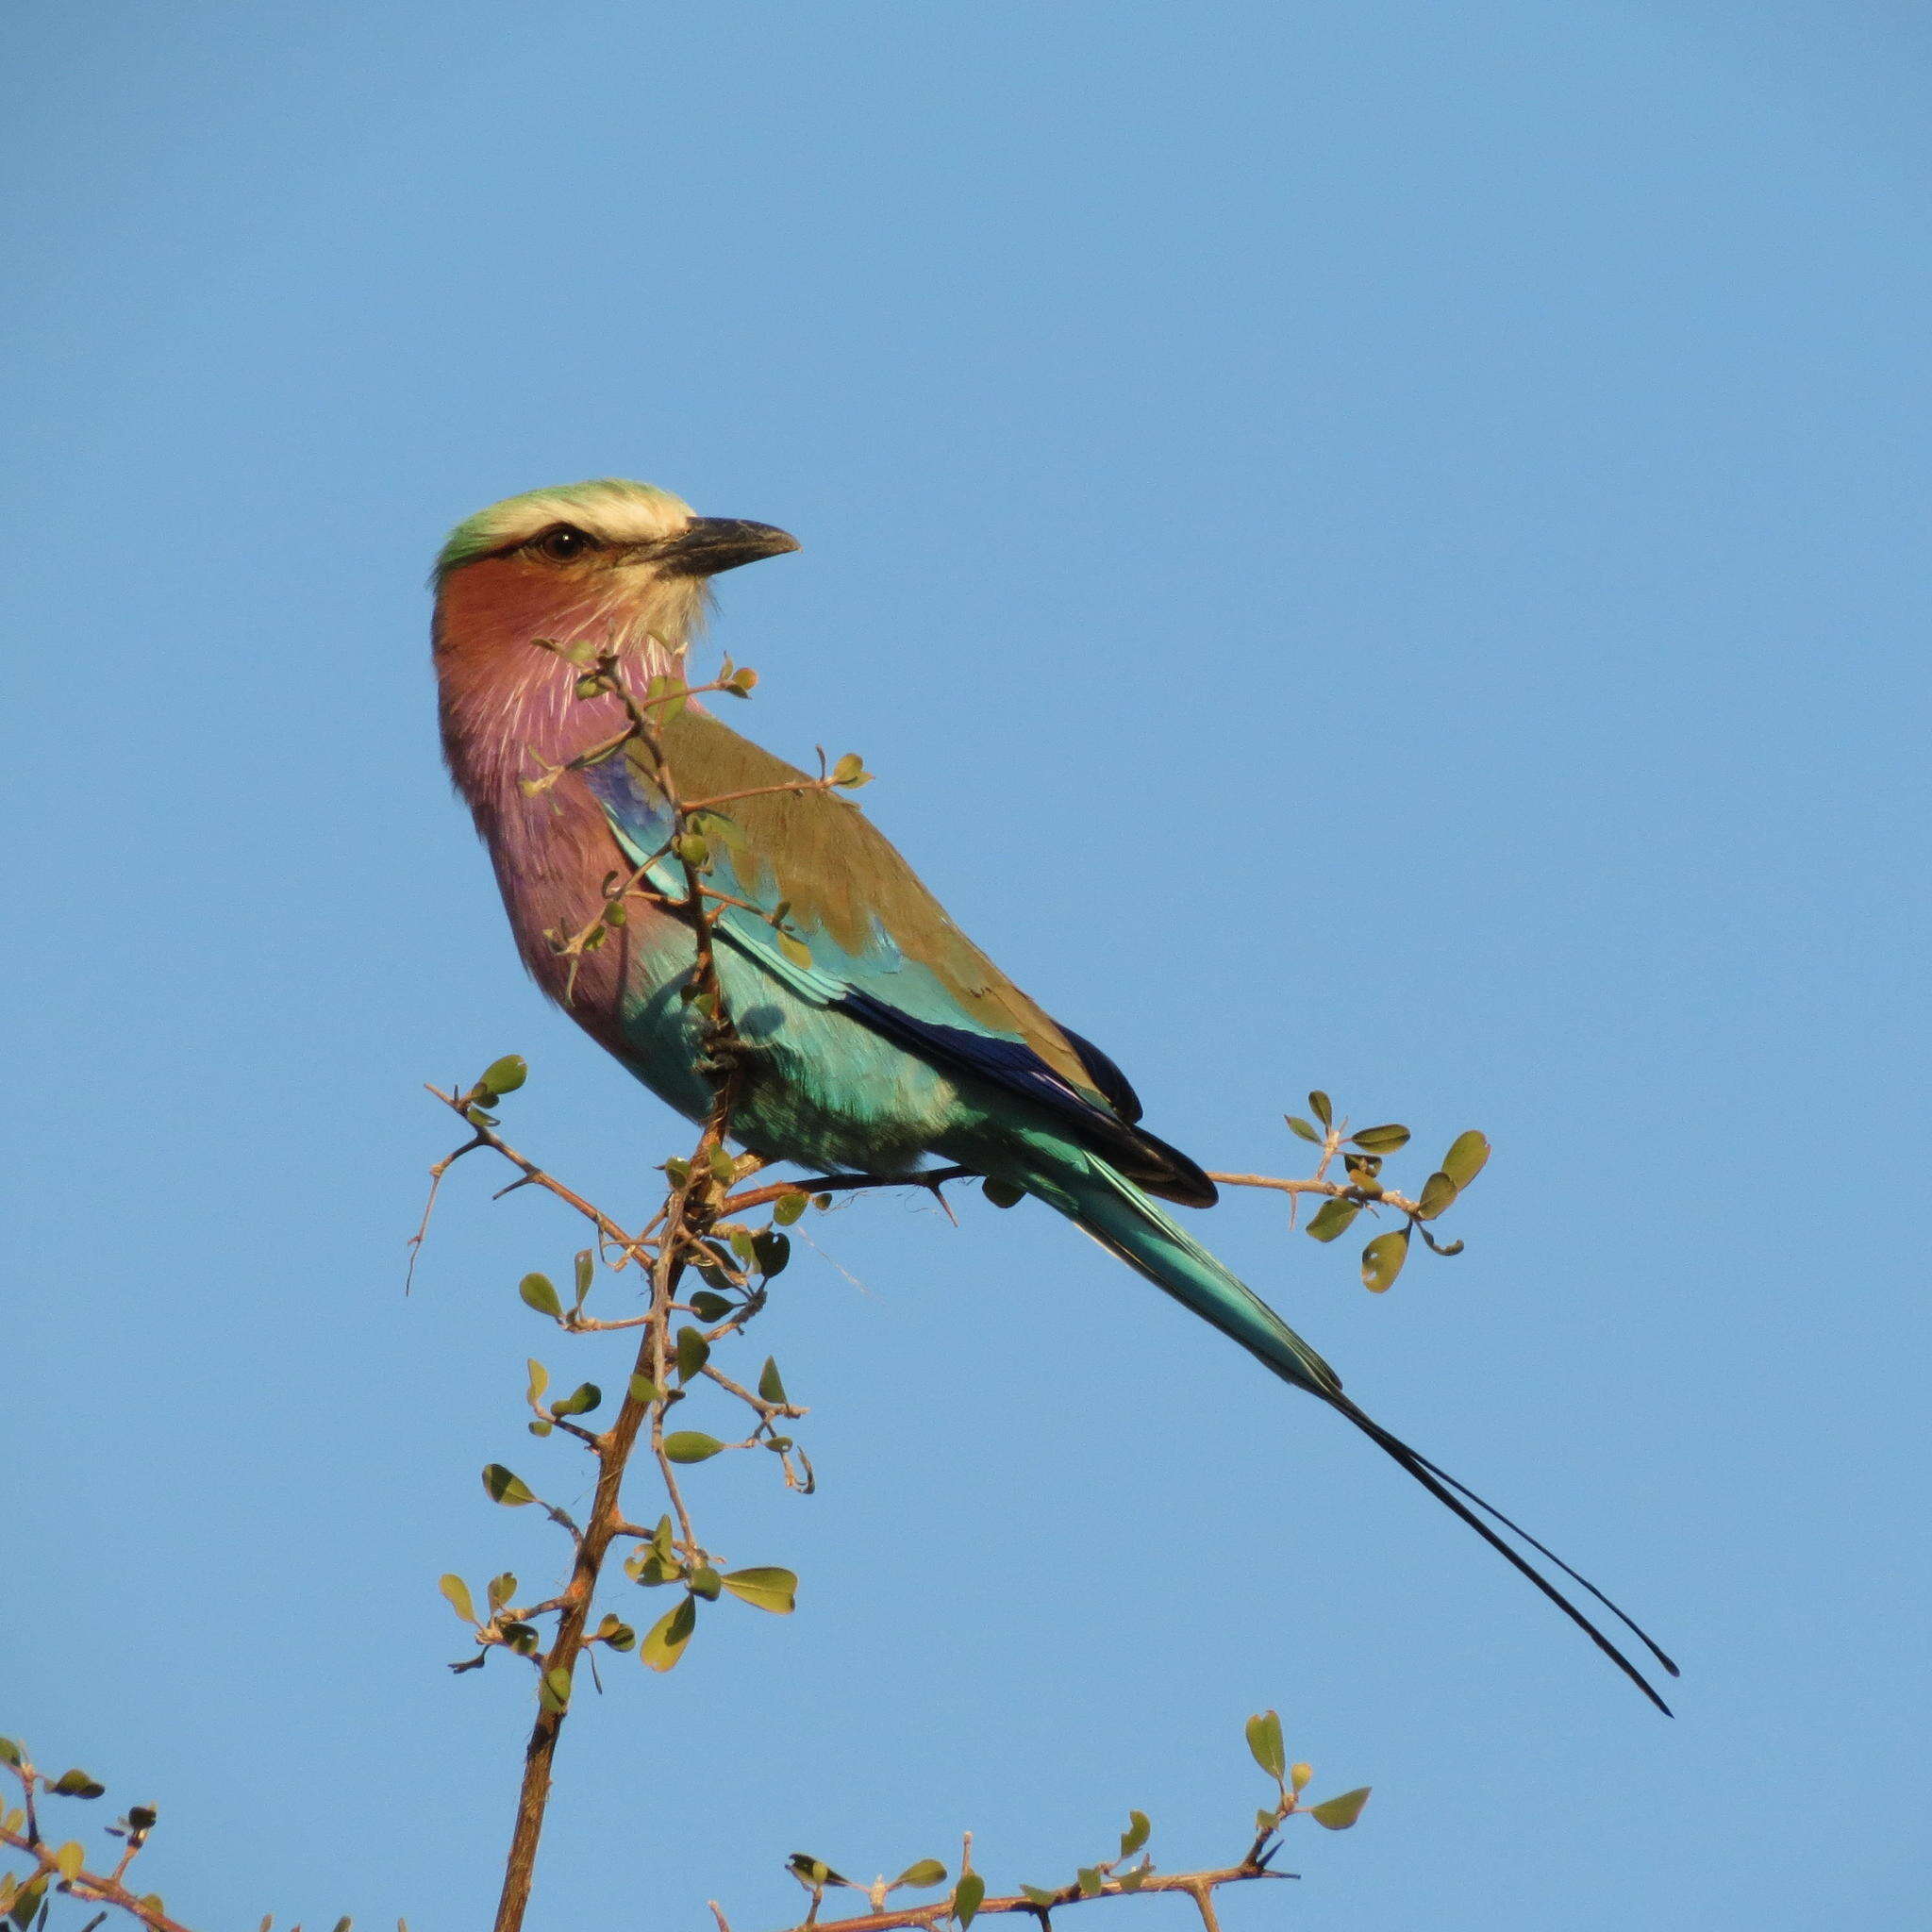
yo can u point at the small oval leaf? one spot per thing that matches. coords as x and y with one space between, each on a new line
1382 1260
967 1897
1438 1196
507 1074
694 1352
1331 1219
1384 1139
926 1872
505 1487
1464 1160
665 1640
1322 1108
1298 1126
540 1293
766 1588
690 1445
457 1592
1337 1814
1265 1745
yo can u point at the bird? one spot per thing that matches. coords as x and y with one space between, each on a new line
872 1035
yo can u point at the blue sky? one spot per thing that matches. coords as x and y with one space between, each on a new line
1378 547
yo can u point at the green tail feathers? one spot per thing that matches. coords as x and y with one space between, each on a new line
1141 1233
1127 1223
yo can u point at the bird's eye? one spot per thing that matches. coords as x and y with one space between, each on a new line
562 544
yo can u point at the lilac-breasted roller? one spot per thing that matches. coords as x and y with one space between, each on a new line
888 1036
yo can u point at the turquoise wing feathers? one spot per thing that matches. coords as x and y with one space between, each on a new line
835 917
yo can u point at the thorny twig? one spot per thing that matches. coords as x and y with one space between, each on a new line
63 1868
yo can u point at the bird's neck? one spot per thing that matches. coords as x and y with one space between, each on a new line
509 704
511 713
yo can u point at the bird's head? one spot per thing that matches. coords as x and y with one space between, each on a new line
621 561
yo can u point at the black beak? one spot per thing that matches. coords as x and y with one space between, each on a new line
710 545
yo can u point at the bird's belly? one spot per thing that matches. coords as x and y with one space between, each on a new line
818 1088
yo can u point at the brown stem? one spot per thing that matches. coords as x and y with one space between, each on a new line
1199 1886
96 1888
1339 1191
604 1523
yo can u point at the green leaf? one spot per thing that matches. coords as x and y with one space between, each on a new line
765 1589
71 1860
75 1784
644 1390
587 1272
706 1582
710 1307
813 1871
510 1491
1438 1195
580 1401
1322 1108
664 1641
1388 1139
850 770
507 1074
1382 1260
1134 1880
1298 1126
676 1170
500 1590
1090 1881
771 1387
1337 1814
1331 1219
788 1207
616 1633
1265 1745
457 1592
540 1293
11 1753
1040 1895
1136 1834
967 1897
1465 1158
772 1251
1299 1777
922 1876
723 1169
540 1427
540 1380
694 1352
1002 1193
554 1689
690 1445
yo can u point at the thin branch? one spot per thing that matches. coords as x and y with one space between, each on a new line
1199 1886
